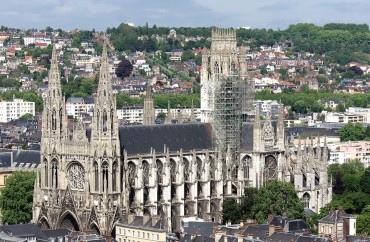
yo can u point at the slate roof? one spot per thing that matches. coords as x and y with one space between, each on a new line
55 233
5 159
139 139
202 228
335 217
138 223
24 230
7 238
20 158
256 231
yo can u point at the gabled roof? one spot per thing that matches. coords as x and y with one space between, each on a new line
55 233
24 230
336 216
140 139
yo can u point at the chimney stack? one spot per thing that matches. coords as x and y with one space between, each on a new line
145 218
130 218
155 219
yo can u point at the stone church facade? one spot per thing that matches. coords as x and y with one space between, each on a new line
91 177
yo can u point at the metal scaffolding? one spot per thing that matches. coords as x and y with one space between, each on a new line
228 113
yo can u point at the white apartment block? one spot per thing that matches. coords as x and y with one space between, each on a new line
33 39
345 118
360 111
10 110
134 115
76 106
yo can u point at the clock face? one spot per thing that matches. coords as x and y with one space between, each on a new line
76 177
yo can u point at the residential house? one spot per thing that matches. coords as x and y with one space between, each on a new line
140 228
337 225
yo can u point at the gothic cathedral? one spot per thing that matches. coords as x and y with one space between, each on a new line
90 177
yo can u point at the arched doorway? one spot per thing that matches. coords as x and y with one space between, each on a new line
69 222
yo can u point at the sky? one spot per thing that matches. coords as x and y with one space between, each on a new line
101 14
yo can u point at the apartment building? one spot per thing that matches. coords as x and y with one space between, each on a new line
10 110
77 106
140 228
345 118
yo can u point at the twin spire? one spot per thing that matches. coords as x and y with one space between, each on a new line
105 85
54 75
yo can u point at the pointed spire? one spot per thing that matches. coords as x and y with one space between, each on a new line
54 76
105 85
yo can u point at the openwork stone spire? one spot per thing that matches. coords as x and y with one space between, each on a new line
54 75
105 85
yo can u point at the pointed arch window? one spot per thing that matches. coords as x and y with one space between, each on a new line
159 171
212 168
173 170
96 176
199 168
111 120
216 68
247 162
46 173
306 200
60 120
54 120
304 180
54 173
105 176
114 176
105 121
186 169
98 120
145 173
235 172
233 68
131 174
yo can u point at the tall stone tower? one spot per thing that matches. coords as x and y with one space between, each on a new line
224 83
148 111
81 177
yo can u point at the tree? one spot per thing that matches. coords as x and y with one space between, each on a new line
247 202
352 131
26 116
300 106
340 108
161 115
124 69
231 211
187 55
365 181
277 198
263 71
16 198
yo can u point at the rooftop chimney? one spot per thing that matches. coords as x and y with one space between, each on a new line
130 217
145 218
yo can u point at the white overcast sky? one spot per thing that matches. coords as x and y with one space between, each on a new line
100 14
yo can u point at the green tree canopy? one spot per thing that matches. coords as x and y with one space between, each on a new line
352 131
26 116
124 69
16 198
277 198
